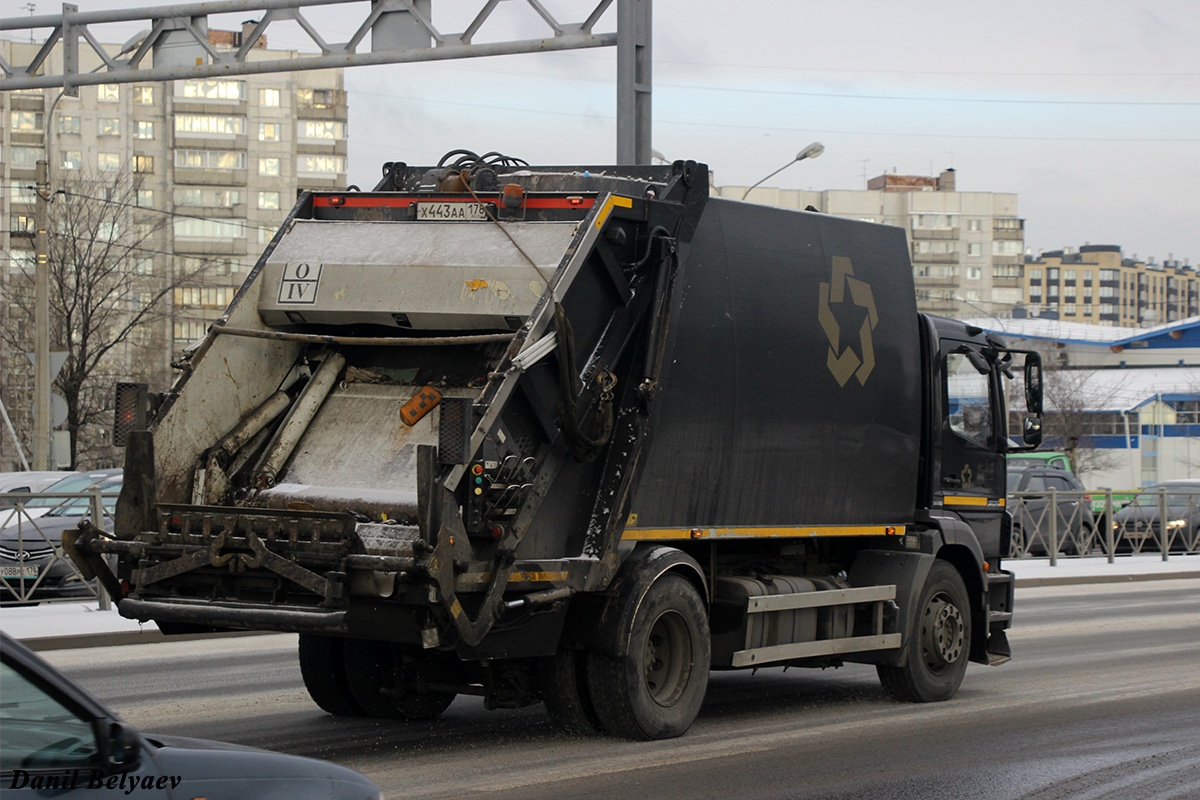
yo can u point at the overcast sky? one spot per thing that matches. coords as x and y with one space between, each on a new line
1088 110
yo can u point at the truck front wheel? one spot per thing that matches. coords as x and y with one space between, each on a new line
655 691
939 644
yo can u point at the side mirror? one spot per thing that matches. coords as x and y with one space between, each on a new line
1033 384
123 751
1031 431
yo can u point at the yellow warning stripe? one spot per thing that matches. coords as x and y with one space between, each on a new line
606 209
973 501
653 534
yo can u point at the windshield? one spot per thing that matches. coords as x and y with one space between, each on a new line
71 483
1176 495
79 506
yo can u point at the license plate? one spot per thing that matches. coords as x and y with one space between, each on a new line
450 211
18 572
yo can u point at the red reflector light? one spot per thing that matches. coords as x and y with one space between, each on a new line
514 196
477 469
497 531
575 200
337 201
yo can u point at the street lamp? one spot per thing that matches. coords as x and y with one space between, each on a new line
812 151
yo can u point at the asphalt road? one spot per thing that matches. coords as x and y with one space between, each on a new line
1102 700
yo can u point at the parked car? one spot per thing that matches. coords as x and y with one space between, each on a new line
1138 527
56 740
11 482
33 566
1029 503
66 482
1044 459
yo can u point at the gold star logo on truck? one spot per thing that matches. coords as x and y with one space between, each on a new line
844 362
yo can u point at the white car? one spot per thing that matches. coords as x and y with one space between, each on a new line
39 506
26 482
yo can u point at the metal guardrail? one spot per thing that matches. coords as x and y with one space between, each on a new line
25 543
1104 523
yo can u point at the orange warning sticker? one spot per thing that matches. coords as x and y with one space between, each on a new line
421 404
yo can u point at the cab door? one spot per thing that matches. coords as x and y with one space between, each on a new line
971 468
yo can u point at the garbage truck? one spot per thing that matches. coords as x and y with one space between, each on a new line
578 436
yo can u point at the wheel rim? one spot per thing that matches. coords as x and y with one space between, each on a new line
942 633
668 659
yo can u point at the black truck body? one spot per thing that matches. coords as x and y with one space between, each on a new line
576 435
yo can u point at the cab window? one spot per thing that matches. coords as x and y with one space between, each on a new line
968 403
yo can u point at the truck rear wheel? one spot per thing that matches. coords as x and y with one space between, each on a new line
322 663
940 644
655 691
562 681
384 688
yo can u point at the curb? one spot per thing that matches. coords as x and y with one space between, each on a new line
1081 580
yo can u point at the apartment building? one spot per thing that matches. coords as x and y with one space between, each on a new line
966 246
1096 284
217 162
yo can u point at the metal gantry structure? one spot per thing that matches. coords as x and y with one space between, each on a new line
175 46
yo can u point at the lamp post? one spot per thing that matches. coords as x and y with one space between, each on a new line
812 151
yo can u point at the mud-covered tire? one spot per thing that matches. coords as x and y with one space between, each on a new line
562 682
380 686
323 666
939 646
655 691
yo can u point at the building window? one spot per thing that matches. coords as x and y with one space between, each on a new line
1035 274
268 201
22 194
974 224
268 98
1087 277
22 223
974 249
143 163
1053 291
318 98
210 159
189 330
1006 271
269 131
1006 247
211 89
1007 224
209 124
193 264
1068 274
108 162
108 93
68 125
144 266
321 165
268 166
26 121
145 198
72 159
219 198
1010 296
191 228
974 273
143 129
109 126
1108 274
143 95
25 157
322 131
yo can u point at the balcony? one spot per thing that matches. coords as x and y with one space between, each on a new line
935 233
936 258
1008 233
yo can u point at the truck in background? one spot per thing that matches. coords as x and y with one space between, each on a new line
575 435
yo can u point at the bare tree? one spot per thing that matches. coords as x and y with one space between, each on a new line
1077 410
100 294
